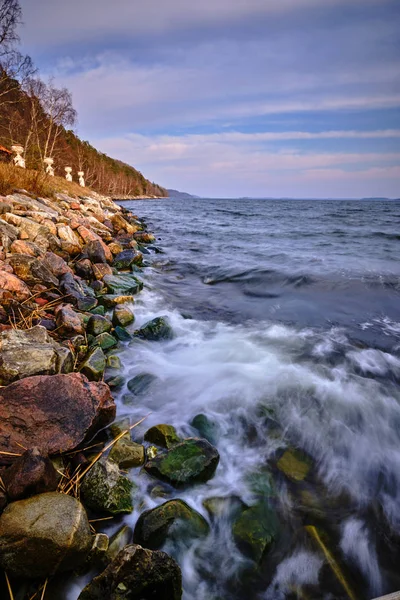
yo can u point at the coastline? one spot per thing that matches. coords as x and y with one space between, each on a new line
70 268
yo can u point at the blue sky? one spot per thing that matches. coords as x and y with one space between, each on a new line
296 98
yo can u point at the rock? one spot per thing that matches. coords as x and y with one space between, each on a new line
95 251
114 362
122 284
42 535
139 384
100 270
11 283
26 248
126 258
72 288
32 473
192 461
70 241
99 310
118 541
119 223
116 383
122 316
98 324
31 352
294 464
206 428
144 238
137 574
106 490
127 454
162 435
105 341
32 270
68 321
94 364
122 334
255 530
115 248
111 300
84 268
54 413
173 520
3 500
223 507
87 303
56 264
155 330
99 551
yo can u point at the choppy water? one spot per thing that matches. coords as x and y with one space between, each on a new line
287 322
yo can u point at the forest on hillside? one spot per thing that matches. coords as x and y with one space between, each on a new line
41 117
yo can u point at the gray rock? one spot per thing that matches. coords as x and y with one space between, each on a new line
155 330
127 454
106 490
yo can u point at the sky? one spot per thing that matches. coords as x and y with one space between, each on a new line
232 98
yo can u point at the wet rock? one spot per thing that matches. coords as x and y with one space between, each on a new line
144 238
95 251
206 428
173 520
99 310
54 413
106 490
294 464
255 530
192 461
162 435
94 364
118 541
32 270
114 361
122 316
127 454
31 352
116 383
155 330
72 288
42 535
100 270
3 500
112 300
139 384
68 321
98 324
99 550
13 284
137 574
122 284
126 258
122 334
105 341
30 474
223 507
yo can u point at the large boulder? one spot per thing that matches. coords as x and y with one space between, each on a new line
42 535
173 520
122 284
31 352
15 286
192 461
54 413
157 329
137 574
32 270
32 473
106 490
126 258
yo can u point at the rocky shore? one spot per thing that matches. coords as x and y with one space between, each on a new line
69 271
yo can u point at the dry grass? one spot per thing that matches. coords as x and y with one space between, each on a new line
35 182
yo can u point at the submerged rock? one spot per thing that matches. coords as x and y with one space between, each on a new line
42 535
54 413
255 530
157 329
192 461
31 352
32 473
139 384
162 435
295 464
137 574
106 490
174 520
206 428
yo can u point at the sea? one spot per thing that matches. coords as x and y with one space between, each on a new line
286 316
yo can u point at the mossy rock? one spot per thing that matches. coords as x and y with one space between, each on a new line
261 484
122 316
116 383
86 303
122 334
94 364
139 384
192 461
105 341
122 284
127 454
155 330
105 490
111 300
99 310
206 428
295 464
255 530
126 258
114 361
174 520
98 324
119 540
162 435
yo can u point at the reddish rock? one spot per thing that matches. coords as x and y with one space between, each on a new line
41 301
54 413
12 284
89 236
68 321
30 474
75 206
29 248
56 264
32 270
101 269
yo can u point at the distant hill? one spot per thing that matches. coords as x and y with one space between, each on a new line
180 195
